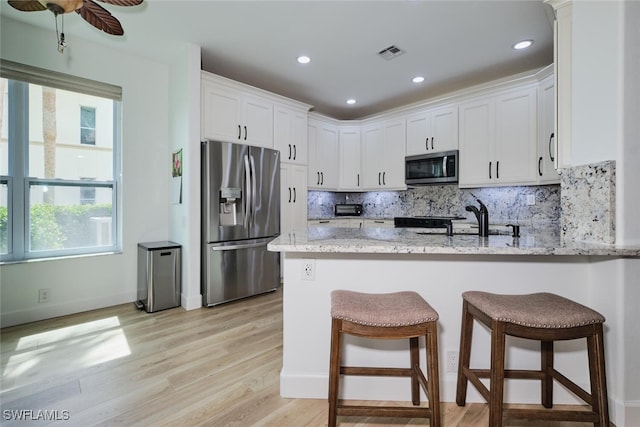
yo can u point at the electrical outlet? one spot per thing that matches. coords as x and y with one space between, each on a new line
452 361
309 269
44 295
531 199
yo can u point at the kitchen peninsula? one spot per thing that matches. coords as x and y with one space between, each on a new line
378 260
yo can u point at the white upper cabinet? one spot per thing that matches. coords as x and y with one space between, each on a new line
290 134
547 147
233 115
498 139
432 130
383 151
323 155
350 173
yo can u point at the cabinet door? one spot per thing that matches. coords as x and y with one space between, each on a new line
327 152
418 133
257 124
393 155
372 153
445 129
290 134
323 156
349 160
516 147
356 223
547 148
293 197
477 129
220 110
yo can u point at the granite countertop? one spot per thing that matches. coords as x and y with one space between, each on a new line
412 241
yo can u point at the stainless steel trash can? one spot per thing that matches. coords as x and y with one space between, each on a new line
159 275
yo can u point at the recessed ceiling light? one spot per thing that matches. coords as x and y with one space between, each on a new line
304 59
417 79
351 101
523 44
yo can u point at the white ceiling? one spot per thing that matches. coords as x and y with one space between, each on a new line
452 43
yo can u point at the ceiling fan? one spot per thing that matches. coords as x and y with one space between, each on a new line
90 11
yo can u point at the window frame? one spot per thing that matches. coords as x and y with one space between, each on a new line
18 180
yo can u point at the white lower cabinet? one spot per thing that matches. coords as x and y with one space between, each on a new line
328 223
352 223
293 197
379 223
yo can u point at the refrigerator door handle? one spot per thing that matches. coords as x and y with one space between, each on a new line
254 190
235 247
248 195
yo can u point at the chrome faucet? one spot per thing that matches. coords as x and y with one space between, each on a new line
482 215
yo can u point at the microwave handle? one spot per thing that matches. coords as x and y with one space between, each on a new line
444 166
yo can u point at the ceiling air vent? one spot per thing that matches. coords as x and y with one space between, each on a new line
391 52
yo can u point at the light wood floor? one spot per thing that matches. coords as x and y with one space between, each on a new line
206 367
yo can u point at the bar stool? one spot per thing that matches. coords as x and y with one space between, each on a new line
385 316
544 317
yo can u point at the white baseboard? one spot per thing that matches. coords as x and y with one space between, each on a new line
49 310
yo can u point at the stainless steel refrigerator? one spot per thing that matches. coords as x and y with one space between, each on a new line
240 216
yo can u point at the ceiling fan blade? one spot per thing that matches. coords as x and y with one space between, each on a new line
123 2
100 18
27 5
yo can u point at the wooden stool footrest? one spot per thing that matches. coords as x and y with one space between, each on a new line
384 411
552 415
378 372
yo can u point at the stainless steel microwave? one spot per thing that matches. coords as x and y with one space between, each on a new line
432 168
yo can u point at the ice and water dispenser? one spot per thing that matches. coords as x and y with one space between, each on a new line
230 206
159 275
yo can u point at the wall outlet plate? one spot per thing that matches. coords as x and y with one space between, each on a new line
44 295
309 269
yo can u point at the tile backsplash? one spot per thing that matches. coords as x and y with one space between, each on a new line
505 204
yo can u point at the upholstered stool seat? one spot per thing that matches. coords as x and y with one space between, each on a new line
385 316
544 317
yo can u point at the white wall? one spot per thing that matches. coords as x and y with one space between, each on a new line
606 108
84 283
597 101
628 172
184 219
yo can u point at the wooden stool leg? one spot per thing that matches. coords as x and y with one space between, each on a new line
595 347
414 354
466 333
496 390
334 370
546 365
433 382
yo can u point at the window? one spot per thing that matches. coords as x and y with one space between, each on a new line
58 180
87 125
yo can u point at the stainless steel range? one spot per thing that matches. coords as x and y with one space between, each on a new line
425 221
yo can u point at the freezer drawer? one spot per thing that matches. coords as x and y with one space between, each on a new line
234 270
159 275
